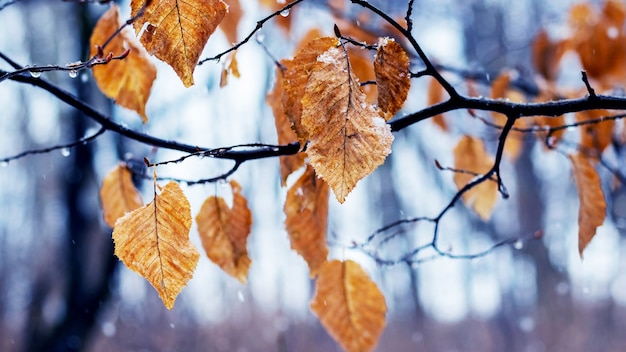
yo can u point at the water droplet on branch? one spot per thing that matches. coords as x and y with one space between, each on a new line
284 13
65 152
73 73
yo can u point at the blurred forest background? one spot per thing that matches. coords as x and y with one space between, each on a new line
61 288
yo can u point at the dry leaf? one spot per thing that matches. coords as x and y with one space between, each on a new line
224 232
231 67
435 96
546 55
128 81
306 208
295 79
284 20
470 155
177 31
592 208
231 20
500 89
349 305
286 135
118 195
597 136
154 241
361 65
348 140
392 76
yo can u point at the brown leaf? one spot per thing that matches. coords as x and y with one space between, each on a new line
435 96
592 208
361 65
231 67
224 232
231 20
286 135
597 136
118 195
177 31
501 89
348 140
128 81
154 241
546 55
349 305
392 76
470 155
295 79
284 20
306 208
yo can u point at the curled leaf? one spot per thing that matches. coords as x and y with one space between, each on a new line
288 163
349 305
393 77
224 232
118 195
592 208
348 140
130 80
306 208
154 242
295 80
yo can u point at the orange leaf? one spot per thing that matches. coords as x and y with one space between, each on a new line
348 140
546 54
177 31
154 241
392 76
231 21
435 96
231 67
349 305
306 208
500 89
224 232
295 79
597 136
361 65
592 208
128 81
118 195
470 155
290 163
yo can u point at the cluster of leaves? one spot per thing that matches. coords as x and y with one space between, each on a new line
334 106
317 101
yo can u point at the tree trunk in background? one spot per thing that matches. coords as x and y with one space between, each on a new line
87 249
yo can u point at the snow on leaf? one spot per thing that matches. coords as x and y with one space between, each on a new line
306 208
470 155
288 163
349 305
118 195
348 140
295 80
224 232
177 31
128 81
392 76
592 209
154 241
